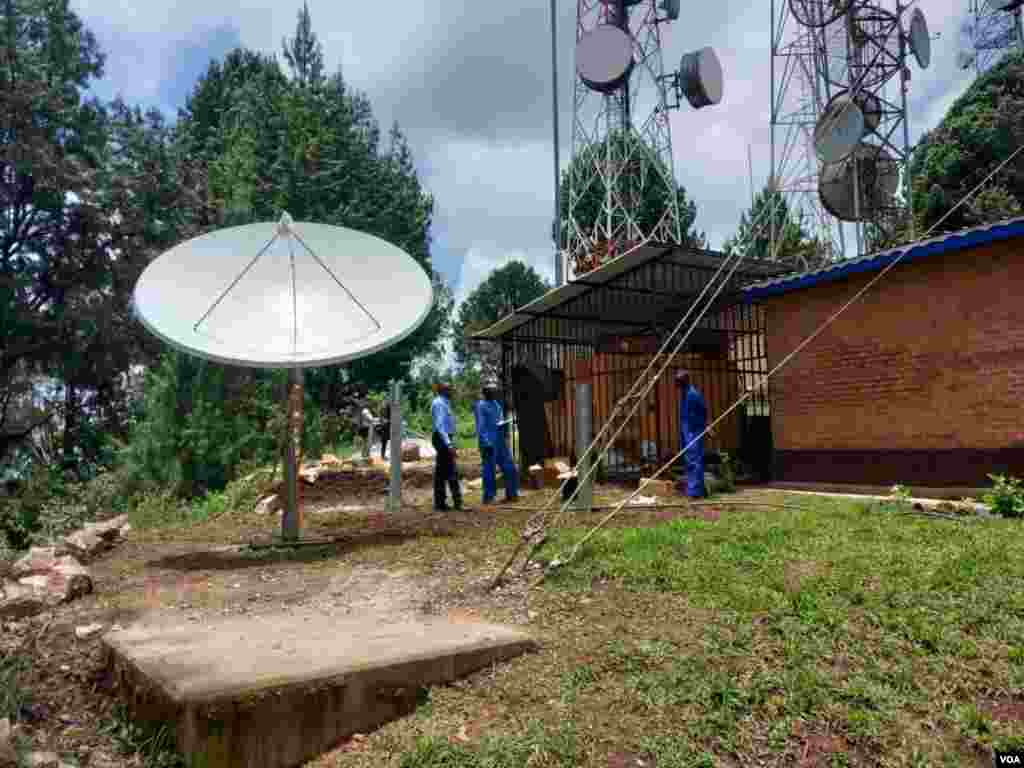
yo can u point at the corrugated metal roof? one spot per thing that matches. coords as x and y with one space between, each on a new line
609 276
946 243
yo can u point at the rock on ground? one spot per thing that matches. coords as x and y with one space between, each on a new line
89 630
269 505
8 757
19 602
50 580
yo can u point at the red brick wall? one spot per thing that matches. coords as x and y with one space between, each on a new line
930 358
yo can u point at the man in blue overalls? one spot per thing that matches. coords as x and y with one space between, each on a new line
493 448
692 421
443 440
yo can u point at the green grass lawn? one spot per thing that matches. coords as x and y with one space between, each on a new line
830 633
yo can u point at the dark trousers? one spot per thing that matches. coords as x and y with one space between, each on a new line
445 472
384 433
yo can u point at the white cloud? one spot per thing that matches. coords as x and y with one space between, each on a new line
469 83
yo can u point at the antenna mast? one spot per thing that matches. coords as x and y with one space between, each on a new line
621 140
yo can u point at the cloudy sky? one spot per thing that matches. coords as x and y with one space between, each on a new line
470 84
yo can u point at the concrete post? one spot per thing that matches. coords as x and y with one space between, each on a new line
291 521
395 492
584 434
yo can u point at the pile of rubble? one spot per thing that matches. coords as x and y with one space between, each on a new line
49 576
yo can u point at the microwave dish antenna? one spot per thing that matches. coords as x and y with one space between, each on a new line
919 38
700 78
839 130
965 59
870 171
870 105
671 9
818 13
604 58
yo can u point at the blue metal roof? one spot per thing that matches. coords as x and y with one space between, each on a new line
947 243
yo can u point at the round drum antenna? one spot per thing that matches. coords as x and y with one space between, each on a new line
839 129
877 181
818 13
604 58
700 78
671 9
920 40
869 104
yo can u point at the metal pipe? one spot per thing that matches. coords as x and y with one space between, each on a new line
395 491
584 434
559 277
906 125
771 135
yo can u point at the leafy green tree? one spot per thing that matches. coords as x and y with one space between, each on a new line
980 130
505 289
643 182
52 256
792 245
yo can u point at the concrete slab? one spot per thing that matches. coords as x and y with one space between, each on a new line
276 691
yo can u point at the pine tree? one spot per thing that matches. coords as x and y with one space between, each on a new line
304 53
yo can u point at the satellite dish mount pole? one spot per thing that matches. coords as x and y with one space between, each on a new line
291 520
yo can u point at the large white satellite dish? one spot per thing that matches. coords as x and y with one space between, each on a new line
283 295
604 57
920 40
700 77
840 128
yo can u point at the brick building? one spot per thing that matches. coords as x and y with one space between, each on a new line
920 381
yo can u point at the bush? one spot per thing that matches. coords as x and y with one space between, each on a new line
192 438
1006 497
47 506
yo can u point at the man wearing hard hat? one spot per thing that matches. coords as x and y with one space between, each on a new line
490 433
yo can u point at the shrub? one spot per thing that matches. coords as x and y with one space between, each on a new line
1006 497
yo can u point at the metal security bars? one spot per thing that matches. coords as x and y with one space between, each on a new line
604 328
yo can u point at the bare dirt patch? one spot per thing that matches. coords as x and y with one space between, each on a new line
1004 710
797 572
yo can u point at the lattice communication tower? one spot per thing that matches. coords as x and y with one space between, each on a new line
621 157
857 51
797 100
992 29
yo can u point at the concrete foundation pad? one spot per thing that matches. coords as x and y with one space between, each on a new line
277 691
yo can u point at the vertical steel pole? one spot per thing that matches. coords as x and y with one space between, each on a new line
395 492
771 136
584 434
559 277
908 190
290 521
